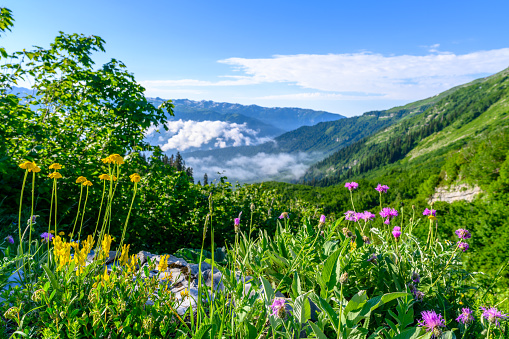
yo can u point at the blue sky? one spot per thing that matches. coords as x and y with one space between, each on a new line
343 57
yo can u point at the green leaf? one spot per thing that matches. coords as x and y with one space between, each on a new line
328 268
409 333
202 331
296 288
51 277
318 332
302 308
268 290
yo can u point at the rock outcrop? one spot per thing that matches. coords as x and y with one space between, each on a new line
455 193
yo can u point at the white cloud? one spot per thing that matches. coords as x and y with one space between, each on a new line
262 166
358 76
183 135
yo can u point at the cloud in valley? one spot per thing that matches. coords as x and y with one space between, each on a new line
184 135
284 166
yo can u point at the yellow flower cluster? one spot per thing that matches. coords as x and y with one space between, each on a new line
125 255
107 177
184 294
81 179
80 255
163 263
106 244
114 158
55 166
55 175
131 264
62 252
30 166
135 177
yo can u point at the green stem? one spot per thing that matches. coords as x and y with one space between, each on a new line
128 215
19 216
83 214
446 265
340 311
50 211
100 208
78 214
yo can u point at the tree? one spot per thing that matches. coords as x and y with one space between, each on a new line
189 172
179 162
205 179
74 111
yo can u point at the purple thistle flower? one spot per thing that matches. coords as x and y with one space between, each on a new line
493 315
277 304
284 215
418 295
429 212
432 322
237 221
463 246
387 221
322 219
351 216
366 216
351 185
463 233
46 236
466 316
387 212
9 239
382 188
396 232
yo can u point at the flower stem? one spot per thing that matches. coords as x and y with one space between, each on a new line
77 215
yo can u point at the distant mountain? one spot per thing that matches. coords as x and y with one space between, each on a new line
284 118
209 125
471 112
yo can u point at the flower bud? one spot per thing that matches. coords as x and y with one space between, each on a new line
344 278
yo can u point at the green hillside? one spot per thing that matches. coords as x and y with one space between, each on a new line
481 108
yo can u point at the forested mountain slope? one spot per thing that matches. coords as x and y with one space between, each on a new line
479 109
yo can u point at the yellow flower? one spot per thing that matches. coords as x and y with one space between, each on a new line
104 177
27 165
117 159
55 175
131 264
55 166
135 177
80 180
35 169
105 277
163 263
184 293
107 160
114 178
125 255
106 244
432 217
52 231
61 233
87 183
